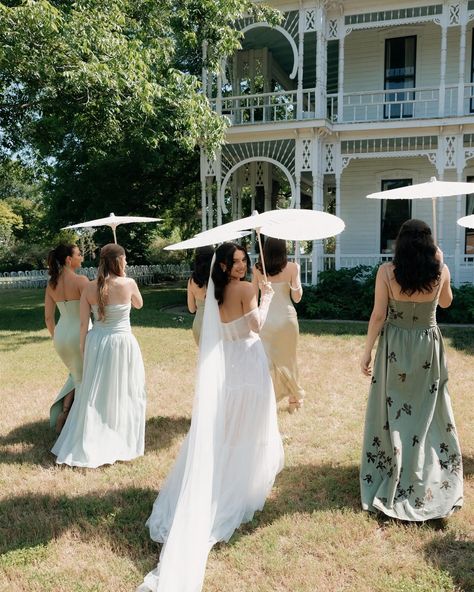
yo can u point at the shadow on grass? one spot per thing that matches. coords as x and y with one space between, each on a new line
118 515
31 443
307 489
448 553
461 338
14 341
468 465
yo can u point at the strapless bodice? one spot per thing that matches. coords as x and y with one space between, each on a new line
69 309
117 318
412 315
236 330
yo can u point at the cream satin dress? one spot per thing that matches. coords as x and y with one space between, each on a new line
279 336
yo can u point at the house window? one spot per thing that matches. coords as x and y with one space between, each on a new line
471 102
400 72
394 213
469 234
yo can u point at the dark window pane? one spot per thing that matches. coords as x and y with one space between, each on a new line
400 73
469 234
394 213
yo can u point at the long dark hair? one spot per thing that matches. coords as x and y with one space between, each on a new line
220 277
274 252
109 262
202 265
416 267
57 260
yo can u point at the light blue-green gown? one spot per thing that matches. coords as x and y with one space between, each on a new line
107 419
66 343
411 465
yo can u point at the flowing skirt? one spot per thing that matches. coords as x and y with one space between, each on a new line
107 420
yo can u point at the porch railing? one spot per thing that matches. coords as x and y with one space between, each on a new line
364 106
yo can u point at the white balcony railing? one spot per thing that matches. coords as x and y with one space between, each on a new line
366 106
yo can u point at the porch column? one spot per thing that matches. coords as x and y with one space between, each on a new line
203 204
219 88
299 92
318 199
321 63
204 69
462 57
340 80
442 75
210 205
338 171
457 248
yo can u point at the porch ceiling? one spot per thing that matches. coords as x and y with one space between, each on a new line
261 37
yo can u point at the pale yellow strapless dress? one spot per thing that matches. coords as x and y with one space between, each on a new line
279 336
66 343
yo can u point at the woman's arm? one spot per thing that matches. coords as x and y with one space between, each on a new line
445 294
255 280
49 308
85 316
295 284
191 298
256 316
377 319
135 296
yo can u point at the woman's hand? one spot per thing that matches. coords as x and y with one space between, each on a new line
266 289
365 363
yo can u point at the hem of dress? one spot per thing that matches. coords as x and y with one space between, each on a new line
391 514
96 466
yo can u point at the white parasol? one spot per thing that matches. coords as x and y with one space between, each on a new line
113 221
467 221
288 224
199 240
431 189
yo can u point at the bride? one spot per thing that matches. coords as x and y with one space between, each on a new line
233 451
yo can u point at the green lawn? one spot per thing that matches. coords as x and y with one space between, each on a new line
80 530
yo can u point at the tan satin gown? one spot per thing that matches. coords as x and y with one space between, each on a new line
279 336
197 323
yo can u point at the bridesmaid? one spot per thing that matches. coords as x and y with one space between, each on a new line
411 466
64 291
197 286
280 332
107 420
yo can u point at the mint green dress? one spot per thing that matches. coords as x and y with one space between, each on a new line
66 343
411 465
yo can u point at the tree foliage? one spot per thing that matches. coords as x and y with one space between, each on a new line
105 99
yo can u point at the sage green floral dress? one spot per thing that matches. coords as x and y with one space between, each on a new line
411 465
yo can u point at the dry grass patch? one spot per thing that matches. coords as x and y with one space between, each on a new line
80 530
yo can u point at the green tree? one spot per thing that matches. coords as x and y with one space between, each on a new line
105 97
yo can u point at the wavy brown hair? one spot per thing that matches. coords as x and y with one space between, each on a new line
109 263
274 252
416 267
202 265
57 260
220 277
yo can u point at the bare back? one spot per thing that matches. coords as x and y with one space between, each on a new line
441 289
239 299
120 290
69 287
290 274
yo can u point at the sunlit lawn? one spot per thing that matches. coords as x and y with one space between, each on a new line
80 530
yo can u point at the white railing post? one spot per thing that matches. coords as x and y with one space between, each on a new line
442 74
299 96
340 79
462 56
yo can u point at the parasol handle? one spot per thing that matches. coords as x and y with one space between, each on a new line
262 259
435 233
115 235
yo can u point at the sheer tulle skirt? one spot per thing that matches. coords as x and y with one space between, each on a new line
250 455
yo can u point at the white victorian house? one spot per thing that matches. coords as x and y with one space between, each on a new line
342 99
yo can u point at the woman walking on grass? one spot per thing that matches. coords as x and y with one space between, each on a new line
64 291
230 457
107 419
411 465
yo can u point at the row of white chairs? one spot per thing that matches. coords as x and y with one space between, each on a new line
142 274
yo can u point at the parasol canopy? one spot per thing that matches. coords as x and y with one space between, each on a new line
113 221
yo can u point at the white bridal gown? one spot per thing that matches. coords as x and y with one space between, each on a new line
228 461
107 419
